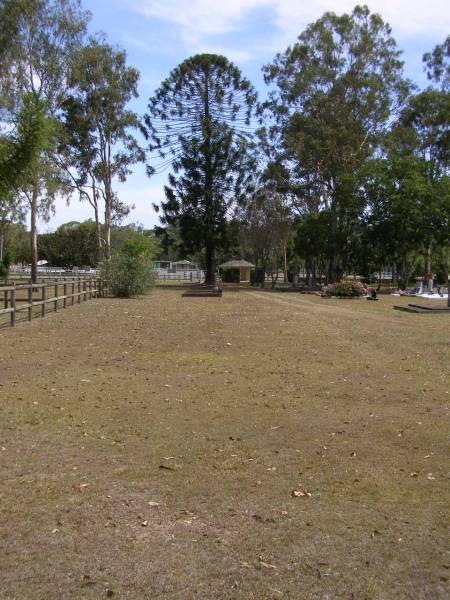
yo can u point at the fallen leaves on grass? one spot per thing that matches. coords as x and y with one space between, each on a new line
80 487
260 564
300 493
263 565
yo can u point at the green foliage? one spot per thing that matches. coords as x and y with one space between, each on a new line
5 265
133 239
197 121
130 271
266 224
333 96
345 289
72 244
20 150
99 129
128 275
257 276
437 64
230 275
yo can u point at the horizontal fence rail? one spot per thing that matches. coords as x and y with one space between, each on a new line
27 297
164 275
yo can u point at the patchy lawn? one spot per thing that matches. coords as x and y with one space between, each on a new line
258 446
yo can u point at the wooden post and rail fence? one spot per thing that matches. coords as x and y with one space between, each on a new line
36 299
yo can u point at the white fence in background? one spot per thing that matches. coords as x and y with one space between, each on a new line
196 276
53 271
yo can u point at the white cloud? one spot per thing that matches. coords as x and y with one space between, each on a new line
408 18
199 18
198 21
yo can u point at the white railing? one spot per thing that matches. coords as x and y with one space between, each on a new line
197 276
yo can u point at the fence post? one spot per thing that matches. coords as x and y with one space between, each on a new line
30 302
73 292
79 291
56 296
13 306
84 290
6 298
44 299
65 293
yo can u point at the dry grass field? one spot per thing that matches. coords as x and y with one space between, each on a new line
259 446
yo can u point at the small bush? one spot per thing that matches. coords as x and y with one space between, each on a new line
345 289
231 275
5 264
128 275
257 276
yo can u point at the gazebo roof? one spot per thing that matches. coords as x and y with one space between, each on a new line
236 264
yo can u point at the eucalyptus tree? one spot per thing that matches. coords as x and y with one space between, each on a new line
333 94
99 139
200 122
430 116
427 116
437 64
45 35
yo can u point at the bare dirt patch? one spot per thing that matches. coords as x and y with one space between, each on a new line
152 448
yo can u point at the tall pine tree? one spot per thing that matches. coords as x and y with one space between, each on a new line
199 122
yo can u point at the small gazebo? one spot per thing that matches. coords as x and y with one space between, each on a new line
243 266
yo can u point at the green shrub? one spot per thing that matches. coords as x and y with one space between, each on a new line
5 264
128 275
257 276
345 289
231 275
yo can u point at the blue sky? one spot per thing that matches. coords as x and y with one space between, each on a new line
159 34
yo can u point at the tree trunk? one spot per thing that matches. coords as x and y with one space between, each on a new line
285 263
33 233
108 227
313 279
428 276
394 275
210 242
210 260
447 272
98 231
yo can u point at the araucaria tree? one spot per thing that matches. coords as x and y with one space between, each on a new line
333 94
199 121
99 139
